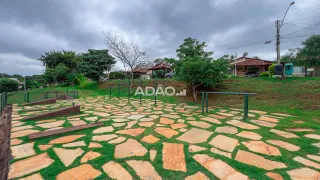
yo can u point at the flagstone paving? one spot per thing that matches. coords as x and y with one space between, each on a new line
170 141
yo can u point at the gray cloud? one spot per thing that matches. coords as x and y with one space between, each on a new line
28 28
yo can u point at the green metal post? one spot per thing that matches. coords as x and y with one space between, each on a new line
1 101
46 95
202 102
28 97
246 106
110 91
128 90
155 97
118 90
141 87
67 92
56 94
207 102
25 97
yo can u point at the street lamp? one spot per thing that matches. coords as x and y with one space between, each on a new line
292 3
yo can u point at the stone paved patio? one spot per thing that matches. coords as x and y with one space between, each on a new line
170 141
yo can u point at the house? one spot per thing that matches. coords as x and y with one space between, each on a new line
247 64
21 84
161 66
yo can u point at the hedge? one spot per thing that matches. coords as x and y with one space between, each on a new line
8 85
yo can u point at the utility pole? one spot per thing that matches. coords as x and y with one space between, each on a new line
278 41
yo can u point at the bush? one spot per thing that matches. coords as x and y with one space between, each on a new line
8 85
159 73
271 69
117 75
264 74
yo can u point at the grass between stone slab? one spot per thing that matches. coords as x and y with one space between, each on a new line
192 166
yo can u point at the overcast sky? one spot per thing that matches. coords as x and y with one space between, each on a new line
29 28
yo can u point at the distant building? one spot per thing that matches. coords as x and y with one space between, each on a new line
21 84
247 64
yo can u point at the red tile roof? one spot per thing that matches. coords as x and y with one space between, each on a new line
159 66
254 62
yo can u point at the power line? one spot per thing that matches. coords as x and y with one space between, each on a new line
303 29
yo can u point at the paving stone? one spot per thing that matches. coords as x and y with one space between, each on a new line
161 125
77 123
300 129
313 136
217 116
130 124
23 133
153 154
183 130
268 119
227 130
171 116
17 123
304 174
104 137
197 176
29 165
117 140
299 122
82 172
242 125
94 118
120 120
94 145
261 147
44 147
258 161
219 168
225 143
178 126
258 112
75 144
195 135
144 169
116 171
249 135
66 139
307 162
136 116
263 123
129 148
314 157
102 114
223 153
67 156
166 121
131 132
146 124
281 114
173 157
103 130
190 118
195 148
200 124
274 176
21 128
166 132
33 177
150 139
118 124
15 142
51 124
210 119
285 145
225 114
23 150
284 134
89 156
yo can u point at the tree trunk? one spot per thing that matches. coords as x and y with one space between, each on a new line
194 94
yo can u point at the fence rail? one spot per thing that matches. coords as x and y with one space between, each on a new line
28 97
3 101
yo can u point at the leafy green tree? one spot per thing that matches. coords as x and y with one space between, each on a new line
82 80
196 67
53 58
50 75
62 72
310 53
96 63
8 85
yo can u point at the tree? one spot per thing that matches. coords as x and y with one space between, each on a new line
228 58
95 63
53 58
128 52
8 85
50 75
310 53
256 57
196 66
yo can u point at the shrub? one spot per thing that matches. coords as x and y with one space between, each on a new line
117 75
271 69
8 85
264 74
159 73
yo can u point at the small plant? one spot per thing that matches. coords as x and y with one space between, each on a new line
264 74
271 69
82 81
8 85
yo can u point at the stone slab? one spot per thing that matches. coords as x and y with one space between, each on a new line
173 157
